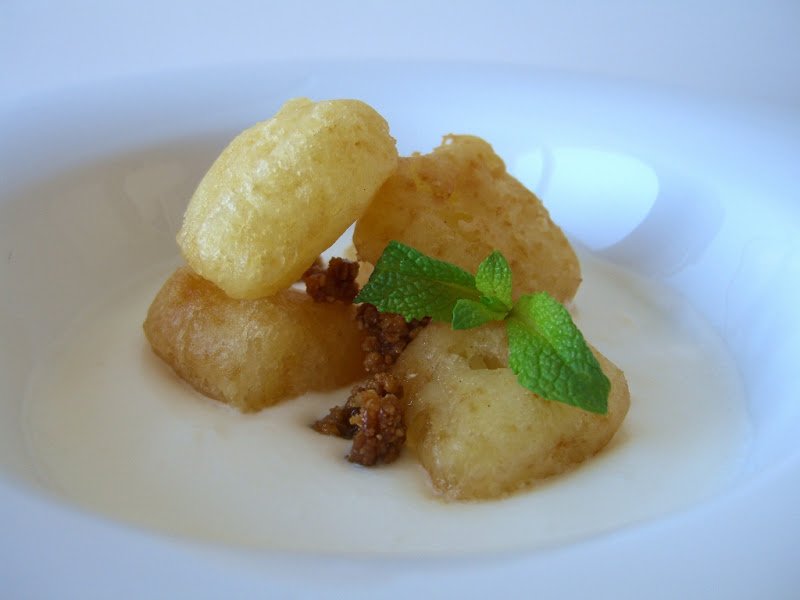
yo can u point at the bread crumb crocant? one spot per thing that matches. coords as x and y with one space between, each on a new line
388 334
336 282
373 417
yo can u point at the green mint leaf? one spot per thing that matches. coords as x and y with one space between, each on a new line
547 352
468 314
493 279
550 357
407 282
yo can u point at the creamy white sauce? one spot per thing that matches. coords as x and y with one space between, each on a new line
113 429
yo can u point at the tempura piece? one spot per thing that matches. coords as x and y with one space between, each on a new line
458 204
282 192
477 431
252 353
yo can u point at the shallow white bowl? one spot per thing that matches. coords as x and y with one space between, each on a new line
698 193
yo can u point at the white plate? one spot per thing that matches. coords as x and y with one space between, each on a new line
695 193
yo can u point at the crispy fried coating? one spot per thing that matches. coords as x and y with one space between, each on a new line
477 431
458 204
282 192
252 353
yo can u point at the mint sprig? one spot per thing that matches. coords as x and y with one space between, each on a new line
546 350
469 313
550 357
493 279
407 282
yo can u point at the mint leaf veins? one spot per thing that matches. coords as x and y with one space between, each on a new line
546 350
469 313
407 282
549 356
493 279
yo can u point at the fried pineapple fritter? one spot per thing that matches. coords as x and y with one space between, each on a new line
282 192
458 204
253 353
477 431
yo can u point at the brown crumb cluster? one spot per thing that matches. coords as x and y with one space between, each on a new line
335 283
388 334
373 418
